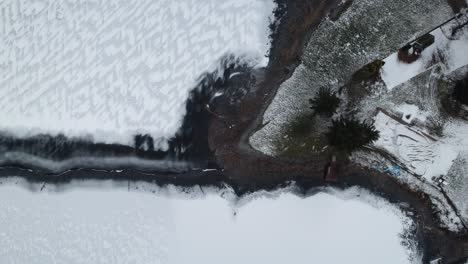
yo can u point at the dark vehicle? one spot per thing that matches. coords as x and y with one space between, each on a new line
422 43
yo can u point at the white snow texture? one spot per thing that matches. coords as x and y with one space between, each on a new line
89 226
112 68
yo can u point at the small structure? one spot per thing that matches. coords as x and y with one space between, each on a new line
331 171
422 43
439 180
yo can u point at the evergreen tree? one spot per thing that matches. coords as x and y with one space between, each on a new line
350 134
325 102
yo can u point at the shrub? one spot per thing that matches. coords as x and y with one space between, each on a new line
436 125
350 134
461 90
325 102
368 72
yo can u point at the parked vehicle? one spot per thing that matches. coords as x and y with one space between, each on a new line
422 43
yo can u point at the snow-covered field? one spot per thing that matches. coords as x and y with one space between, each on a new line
111 69
115 226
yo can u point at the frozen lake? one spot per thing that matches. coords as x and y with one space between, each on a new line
116 226
111 69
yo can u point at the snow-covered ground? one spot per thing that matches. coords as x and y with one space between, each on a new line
454 53
426 156
116 226
111 69
368 30
415 143
422 154
425 140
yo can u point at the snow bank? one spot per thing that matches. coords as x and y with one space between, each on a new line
113 226
453 54
111 69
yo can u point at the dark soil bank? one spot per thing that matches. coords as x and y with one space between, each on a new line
217 135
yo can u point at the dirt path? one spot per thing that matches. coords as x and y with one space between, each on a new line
230 142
